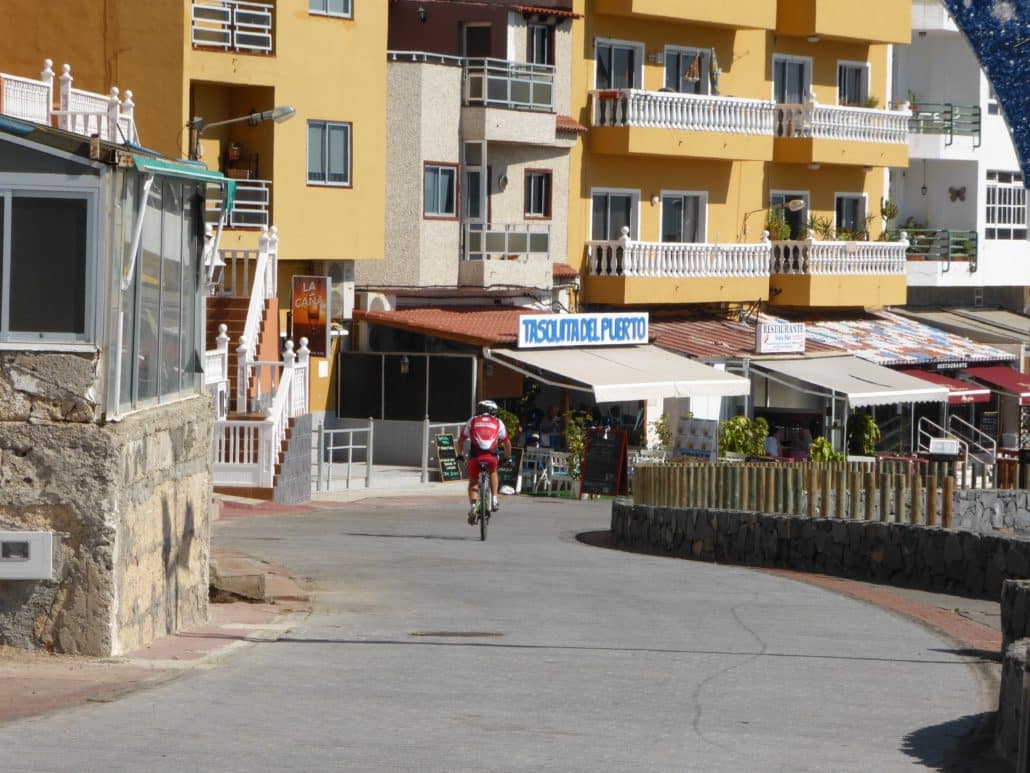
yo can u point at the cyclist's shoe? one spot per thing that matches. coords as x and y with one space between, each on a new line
495 505
473 514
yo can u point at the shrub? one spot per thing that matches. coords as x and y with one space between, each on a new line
741 435
822 451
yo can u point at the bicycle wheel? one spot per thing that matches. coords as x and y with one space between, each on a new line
484 505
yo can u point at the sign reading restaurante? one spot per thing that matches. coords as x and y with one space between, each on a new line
616 329
779 337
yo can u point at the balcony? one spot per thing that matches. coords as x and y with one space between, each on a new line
250 206
513 254
624 271
230 25
811 133
635 122
754 14
935 125
508 102
810 273
872 21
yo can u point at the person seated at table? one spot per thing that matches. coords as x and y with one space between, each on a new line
550 423
772 444
805 439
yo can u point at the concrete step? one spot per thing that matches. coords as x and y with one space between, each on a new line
240 576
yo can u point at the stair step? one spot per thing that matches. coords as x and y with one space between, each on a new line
250 492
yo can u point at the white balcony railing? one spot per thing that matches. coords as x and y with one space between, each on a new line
692 112
82 112
516 85
250 207
808 257
625 257
232 25
485 242
831 122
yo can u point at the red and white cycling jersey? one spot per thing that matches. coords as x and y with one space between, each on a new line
484 433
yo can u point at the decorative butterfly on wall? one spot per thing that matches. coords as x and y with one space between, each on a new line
957 194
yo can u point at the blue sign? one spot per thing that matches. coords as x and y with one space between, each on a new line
617 329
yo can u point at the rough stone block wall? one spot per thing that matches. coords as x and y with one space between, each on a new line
993 510
1010 700
1015 611
903 554
129 503
294 483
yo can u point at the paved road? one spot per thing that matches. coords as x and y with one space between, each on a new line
429 650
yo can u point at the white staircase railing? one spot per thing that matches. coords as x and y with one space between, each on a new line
216 373
625 257
811 257
927 429
982 447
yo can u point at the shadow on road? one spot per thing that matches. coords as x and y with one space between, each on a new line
970 740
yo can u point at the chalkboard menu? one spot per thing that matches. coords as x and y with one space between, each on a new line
508 472
447 458
989 424
604 463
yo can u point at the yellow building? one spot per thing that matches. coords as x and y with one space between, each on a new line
318 177
709 119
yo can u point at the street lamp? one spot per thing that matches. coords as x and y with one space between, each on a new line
794 205
197 126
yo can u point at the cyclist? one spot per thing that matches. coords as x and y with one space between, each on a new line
484 432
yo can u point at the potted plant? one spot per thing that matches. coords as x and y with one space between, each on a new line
822 451
740 437
862 434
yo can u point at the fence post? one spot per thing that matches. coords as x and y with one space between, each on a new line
745 487
114 107
788 484
856 492
827 486
870 494
320 441
242 366
368 453
931 498
917 499
64 96
948 505
899 498
425 449
885 497
842 491
813 488
47 77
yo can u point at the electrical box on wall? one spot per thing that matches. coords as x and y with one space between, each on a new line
26 555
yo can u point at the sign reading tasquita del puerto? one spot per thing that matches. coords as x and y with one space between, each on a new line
779 337
555 330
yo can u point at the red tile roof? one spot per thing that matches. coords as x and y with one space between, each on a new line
709 338
566 123
475 325
564 271
547 11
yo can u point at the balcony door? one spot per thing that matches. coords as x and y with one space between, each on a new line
475 41
618 65
686 70
683 217
798 221
612 210
792 79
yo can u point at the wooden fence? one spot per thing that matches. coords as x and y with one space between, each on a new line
900 491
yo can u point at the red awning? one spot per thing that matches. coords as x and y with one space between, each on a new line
959 392
1005 379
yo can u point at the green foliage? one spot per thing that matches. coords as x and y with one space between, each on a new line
576 423
863 434
822 227
511 422
663 432
822 451
871 102
777 226
741 435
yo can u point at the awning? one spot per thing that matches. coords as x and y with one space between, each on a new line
188 171
615 374
863 383
959 392
1006 380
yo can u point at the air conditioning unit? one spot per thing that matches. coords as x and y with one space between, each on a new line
373 301
341 304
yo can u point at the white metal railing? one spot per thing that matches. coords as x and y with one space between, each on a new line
500 83
334 441
82 112
833 122
483 242
232 25
670 110
625 257
250 207
425 57
982 447
811 257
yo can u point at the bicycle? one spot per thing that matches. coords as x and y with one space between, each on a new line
485 499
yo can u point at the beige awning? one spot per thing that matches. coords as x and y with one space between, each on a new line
863 383
616 374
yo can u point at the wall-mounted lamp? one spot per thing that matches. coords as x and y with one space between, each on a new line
923 190
814 168
405 365
502 183
421 12
812 38
655 200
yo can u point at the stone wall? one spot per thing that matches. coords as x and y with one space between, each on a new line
129 501
1009 721
912 555
993 510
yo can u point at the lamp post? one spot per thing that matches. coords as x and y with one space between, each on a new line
794 205
197 125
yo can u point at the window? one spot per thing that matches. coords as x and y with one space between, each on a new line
610 212
540 48
683 216
1006 206
477 41
850 212
851 84
792 79
618 66
439 184
45 249
538 193
686 70
798 221
329 153
161 337
342 8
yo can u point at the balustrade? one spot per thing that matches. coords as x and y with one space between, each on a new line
833 122
670 110
811 257
625 257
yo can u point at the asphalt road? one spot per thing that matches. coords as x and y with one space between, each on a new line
430 651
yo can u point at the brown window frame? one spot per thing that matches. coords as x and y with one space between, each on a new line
549 174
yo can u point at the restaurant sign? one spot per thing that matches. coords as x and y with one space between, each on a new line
779 337
617 329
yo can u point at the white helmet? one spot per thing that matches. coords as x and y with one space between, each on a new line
487 406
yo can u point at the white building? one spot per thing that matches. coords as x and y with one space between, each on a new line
962 198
